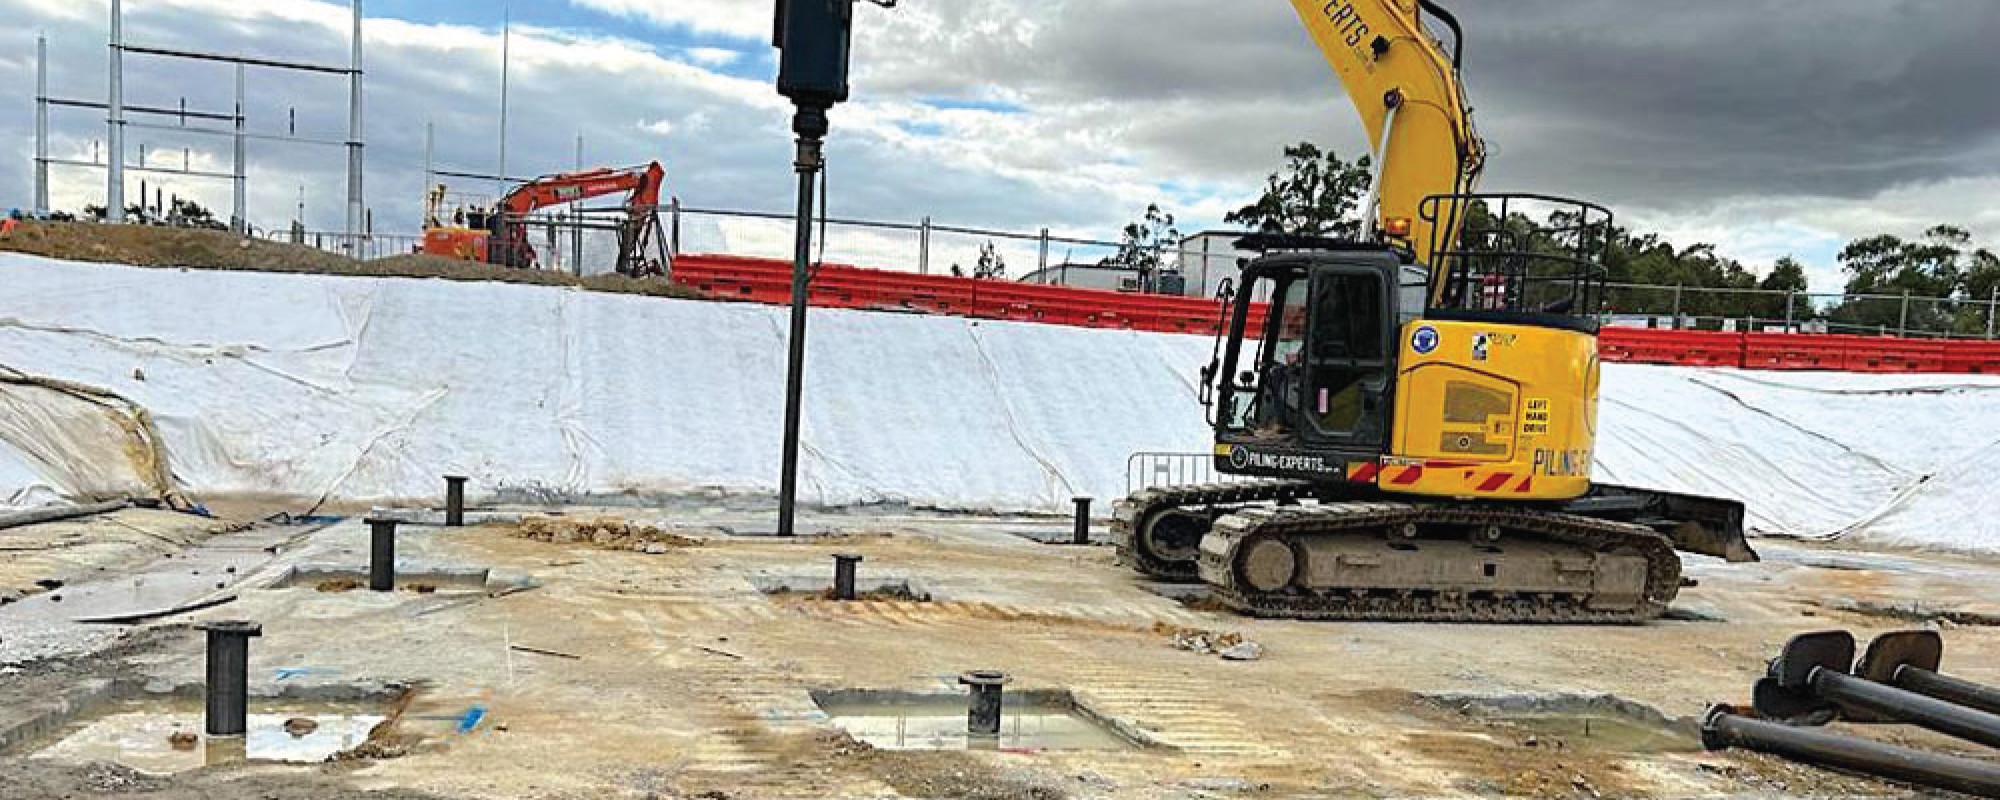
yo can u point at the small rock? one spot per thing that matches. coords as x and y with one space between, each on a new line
182 740
49 583
655 548
138 374
300 727
1243 651
1531 742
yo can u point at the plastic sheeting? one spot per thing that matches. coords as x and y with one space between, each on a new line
368 390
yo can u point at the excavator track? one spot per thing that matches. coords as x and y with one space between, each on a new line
1171 556
1589 568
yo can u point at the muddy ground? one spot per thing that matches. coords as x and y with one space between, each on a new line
146 246
605 668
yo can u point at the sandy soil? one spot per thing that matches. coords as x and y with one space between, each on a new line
40 558
204 249
686 673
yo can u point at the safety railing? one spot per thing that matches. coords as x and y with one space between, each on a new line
360 247
1168 470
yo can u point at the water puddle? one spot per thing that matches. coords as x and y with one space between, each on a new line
1030 721
167 738
1599 723
1600 732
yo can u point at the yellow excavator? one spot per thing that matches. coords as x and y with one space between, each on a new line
1418 408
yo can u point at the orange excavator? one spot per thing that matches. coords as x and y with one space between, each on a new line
499 236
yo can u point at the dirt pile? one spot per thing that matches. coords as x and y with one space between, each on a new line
191 248
605 533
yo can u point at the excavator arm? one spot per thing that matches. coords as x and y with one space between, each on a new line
639 231
1406 87
642 182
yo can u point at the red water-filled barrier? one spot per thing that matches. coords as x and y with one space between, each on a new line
840 286
764 280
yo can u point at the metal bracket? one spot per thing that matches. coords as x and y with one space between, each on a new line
1831 650
1890 651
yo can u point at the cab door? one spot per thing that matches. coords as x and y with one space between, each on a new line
1349 357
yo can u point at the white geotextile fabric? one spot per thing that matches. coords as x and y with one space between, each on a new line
366 389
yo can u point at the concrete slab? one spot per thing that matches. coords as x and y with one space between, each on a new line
623 673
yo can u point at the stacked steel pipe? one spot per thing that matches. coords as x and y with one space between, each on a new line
1816 680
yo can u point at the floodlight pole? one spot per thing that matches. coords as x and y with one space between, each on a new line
41 125
355 212
811 126
114 138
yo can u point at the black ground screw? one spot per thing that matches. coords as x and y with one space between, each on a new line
1817 664
1723 728
1082 533
983 714
381 554
228 685
454 501
843 575
1910 660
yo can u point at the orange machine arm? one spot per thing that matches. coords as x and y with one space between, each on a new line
643 182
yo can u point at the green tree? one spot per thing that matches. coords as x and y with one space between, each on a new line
1788 275
1314 194
188 213
1938 264
991 264
1143 245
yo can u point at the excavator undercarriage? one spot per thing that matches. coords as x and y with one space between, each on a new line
1305 550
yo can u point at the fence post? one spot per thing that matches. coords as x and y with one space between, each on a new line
1788 311
674 229
924 248
1044 262
1992 310
1677 306
1903 325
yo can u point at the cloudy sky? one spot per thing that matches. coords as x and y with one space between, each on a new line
1764 126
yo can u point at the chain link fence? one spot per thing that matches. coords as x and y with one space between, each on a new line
1765 310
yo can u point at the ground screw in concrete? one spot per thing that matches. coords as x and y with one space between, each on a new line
454 501
843 575
1082 533
228 686
983 714
382 555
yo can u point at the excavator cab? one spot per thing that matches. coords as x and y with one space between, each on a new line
1478 378
1313 383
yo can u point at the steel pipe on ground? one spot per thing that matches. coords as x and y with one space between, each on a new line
1909 707
1723 729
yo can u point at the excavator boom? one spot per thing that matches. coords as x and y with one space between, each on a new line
643 182
1406 87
